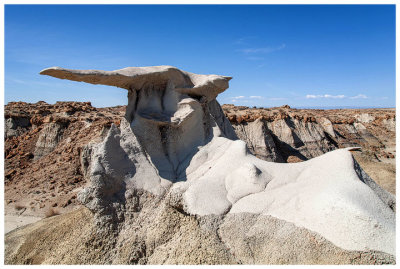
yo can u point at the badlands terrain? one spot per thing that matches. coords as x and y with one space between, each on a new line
46 145
284 134
172 184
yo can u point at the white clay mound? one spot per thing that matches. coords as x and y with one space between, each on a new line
324 195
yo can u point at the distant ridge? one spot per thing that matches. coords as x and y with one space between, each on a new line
339 107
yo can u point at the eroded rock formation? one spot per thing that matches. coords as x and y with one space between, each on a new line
285 134
275 134
172 184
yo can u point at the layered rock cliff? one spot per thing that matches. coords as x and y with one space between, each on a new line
284 134
276 134
45 151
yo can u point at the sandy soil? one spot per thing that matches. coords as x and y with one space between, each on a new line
383 172
12 222
21 215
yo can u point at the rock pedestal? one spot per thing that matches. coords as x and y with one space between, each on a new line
176 151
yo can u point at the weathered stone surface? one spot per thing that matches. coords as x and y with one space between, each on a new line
15 126
259 140
172 183
42 164
308 133
284 134
48 139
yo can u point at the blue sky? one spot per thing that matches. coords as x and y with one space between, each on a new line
304 55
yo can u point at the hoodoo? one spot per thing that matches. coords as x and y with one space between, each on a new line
173 184
168 110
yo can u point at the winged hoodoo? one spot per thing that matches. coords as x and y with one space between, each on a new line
176 145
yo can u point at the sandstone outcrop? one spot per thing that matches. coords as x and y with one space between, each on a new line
284 134
45 165
173 184
308 133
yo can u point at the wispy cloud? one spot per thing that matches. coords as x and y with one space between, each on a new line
263 50
241 98
18 81
340 96
360 96
31 82
255 58
312 96
243 40
238 97
252 99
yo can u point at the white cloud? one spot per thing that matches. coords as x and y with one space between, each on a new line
360 96
334 96
238 97
340 96
256 97
312 96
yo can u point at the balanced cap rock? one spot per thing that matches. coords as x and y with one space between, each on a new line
176 144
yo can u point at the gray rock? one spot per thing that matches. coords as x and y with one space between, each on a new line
49 137
259 140
15 126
